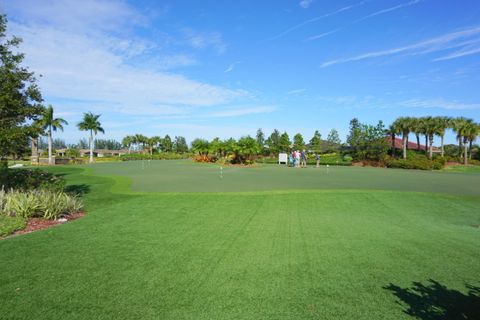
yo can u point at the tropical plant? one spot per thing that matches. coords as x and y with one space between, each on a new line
404 126
90 123
467 132
443 123
127 142
49 123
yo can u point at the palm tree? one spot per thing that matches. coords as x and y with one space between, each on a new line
443 123
48 123
392 131
90 123
128 141
418 128
431 129
457 125
467 131
403 125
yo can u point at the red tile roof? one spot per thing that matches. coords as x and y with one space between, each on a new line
411 145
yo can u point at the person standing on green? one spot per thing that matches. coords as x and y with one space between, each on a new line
303 159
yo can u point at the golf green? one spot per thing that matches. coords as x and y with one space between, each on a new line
162 241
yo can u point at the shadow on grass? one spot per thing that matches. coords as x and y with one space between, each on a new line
435 301
77 189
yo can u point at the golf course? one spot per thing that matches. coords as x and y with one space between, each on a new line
182 240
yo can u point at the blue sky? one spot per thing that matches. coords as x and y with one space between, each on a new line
226 68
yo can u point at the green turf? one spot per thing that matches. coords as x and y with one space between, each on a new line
299 254
9 225
463 169
186 176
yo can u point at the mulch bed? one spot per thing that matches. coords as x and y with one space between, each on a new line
35 224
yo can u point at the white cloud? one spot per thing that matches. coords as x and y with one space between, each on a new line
296 91
83 55
305 3
439 103
231 67
203 40
431 45
242 111
459 54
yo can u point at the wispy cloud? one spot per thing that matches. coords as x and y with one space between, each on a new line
296 91
305 3
459 54
231 67
315 19
431 45
369 16
203 40
243 111
439 103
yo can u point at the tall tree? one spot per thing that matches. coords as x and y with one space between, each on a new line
90 123
128 141
443 123
284 143
273 142
167 144
404 125
333 137
180 145
20 97
49 123
298 142
260 137
315 142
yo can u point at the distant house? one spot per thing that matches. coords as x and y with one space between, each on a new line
398 144
96 153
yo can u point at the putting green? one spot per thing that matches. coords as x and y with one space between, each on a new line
187 176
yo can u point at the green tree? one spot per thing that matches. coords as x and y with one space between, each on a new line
443 123
273 142
128 141
333 137
49 123
298 142
316 141
20 97
284 143
247 147
90 123
167 144
217 147
260 137
201 146
180 145
404 125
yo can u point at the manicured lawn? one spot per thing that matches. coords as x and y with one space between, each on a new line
298 254
463 169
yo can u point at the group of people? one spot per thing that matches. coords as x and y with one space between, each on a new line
298 159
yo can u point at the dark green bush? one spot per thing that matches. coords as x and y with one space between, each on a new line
416 163
156 156
29 179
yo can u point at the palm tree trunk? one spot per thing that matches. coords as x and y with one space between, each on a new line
460 152
404 146
393 144
443 148
470 149
91 146
418 141
430 148
50 147
426 144
465 157
34 158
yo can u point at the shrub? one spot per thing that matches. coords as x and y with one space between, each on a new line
29 179
157 156
416 163
45 204
347 158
